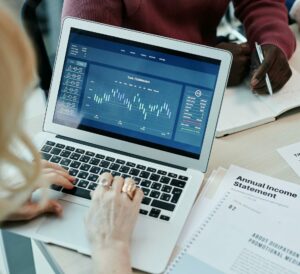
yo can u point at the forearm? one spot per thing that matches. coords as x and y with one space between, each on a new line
266 22
113 259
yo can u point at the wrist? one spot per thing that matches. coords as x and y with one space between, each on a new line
105 245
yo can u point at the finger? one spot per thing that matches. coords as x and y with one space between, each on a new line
138 197
105 181
245 49
57 179
51 206
54 166
118 184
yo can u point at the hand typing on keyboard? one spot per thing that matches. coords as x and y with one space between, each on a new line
110 223
51 174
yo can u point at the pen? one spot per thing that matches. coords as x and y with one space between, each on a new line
261 59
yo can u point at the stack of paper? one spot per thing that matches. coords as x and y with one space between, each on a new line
251 225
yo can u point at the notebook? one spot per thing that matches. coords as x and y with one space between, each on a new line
242 109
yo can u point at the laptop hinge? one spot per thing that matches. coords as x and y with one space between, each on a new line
121 152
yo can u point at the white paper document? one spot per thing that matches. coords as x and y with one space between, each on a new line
291 154
252 228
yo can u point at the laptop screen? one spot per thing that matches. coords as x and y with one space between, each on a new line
136 92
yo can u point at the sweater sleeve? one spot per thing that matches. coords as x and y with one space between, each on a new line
266 22
104 11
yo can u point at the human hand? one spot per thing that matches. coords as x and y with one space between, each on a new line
275 64
53 174
112 216
240 63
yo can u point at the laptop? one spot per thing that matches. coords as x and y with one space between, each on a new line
136 105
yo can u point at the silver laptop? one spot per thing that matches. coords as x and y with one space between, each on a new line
136 105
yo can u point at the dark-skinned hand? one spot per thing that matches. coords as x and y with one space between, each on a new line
241 61
275 64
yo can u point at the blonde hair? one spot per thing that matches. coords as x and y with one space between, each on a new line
17 72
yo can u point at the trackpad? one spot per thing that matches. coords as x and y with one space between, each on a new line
69 230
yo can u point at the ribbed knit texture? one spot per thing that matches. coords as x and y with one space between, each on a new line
265 21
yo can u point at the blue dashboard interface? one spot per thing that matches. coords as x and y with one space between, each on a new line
131 91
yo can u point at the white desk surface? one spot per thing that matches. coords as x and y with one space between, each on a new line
254 149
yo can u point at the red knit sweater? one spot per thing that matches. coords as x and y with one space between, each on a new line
196 21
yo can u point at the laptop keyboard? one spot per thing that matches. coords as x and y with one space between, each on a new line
162 189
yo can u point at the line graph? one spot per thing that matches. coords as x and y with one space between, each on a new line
130 101
117 98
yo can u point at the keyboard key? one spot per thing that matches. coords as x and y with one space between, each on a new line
83 183
172 175
89 153
82 175
164 217
92 186
80 192
165 197
60 145
46 148
56 187
65 162
75 164
146 201
124 169
165 180
55 151
100 156
146 183
73 172
137 180
177 183
94 161
95 169
134 172
154 177
85 167
70 148
144 174
114 173
49 143
84 159
176 195
177 191
111 159
156 186
141 167
166 189
55 159
104 163
126 176
80 151
184 178
46 156
93 177
146 191
143 211
114 167
75 156
104 170
162 172
65 167
163 205
154 194
130 164
154 212
150 169
121 162
65 153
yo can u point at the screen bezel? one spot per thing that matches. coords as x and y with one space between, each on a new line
128 147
